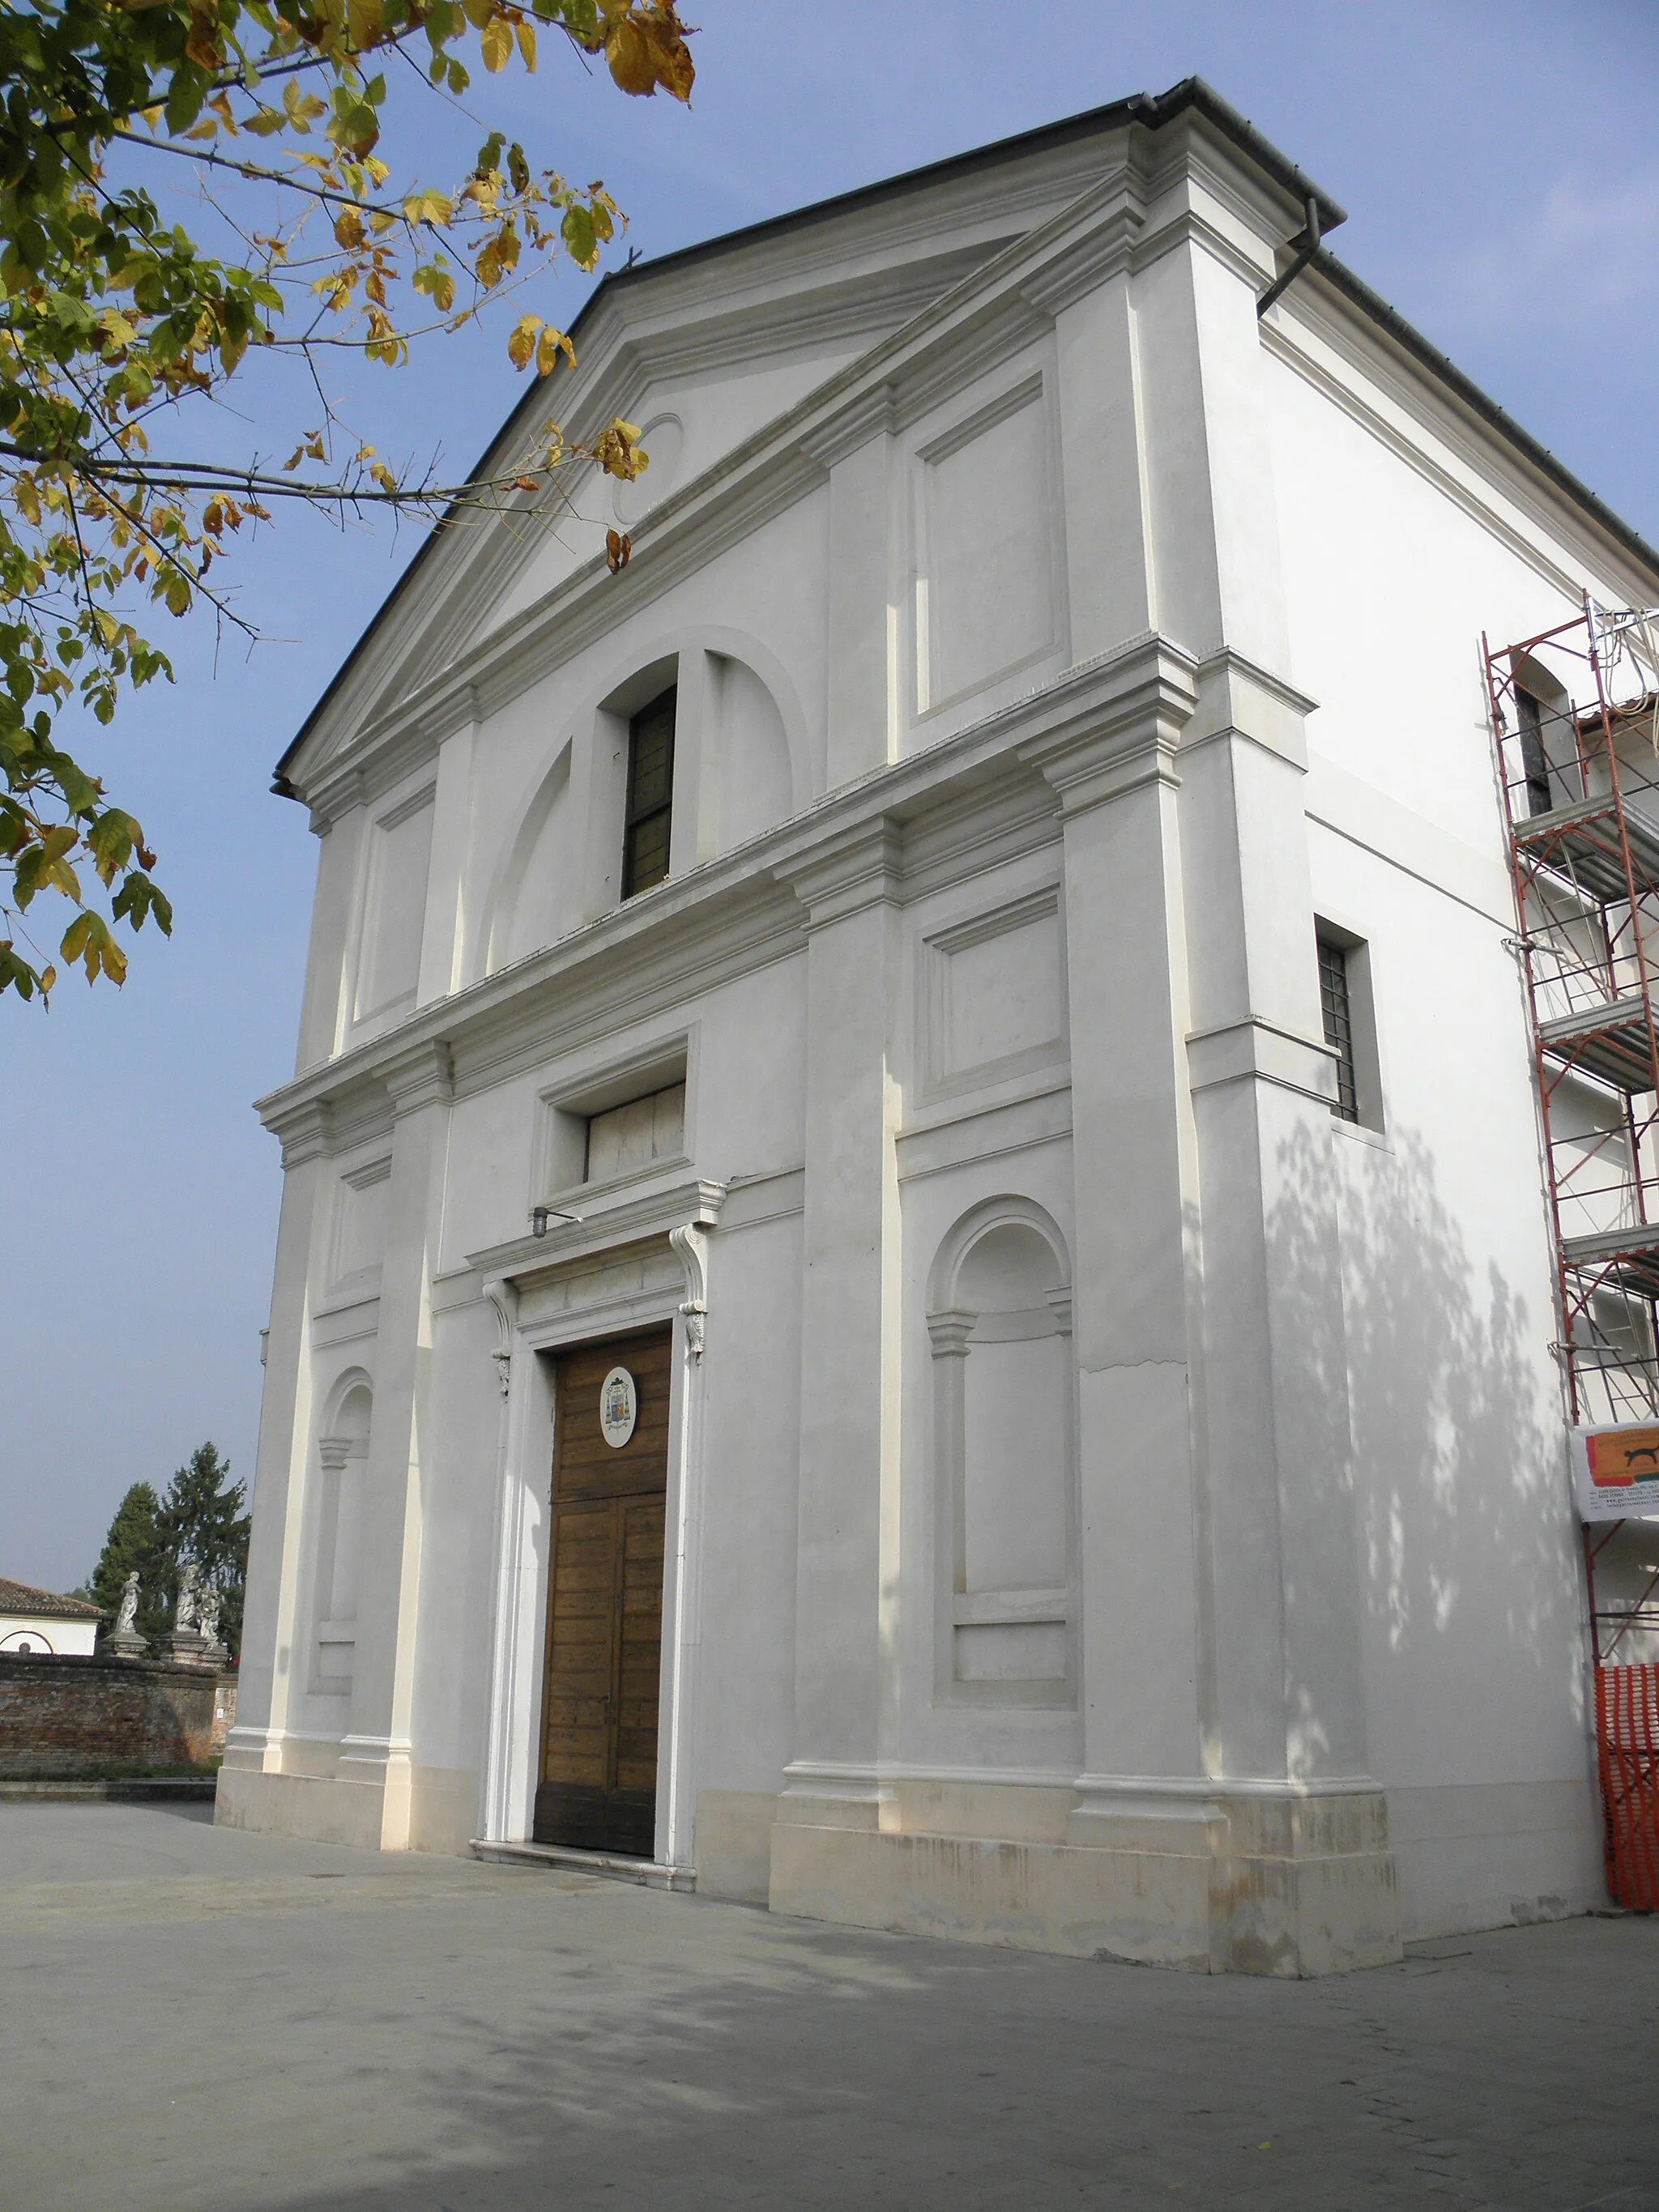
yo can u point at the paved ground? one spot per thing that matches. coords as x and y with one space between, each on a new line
197 2021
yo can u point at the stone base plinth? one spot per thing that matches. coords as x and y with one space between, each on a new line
1296 1886
384 1805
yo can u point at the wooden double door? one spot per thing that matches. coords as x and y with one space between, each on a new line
597 1785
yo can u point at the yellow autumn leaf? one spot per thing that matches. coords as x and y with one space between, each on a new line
552 345
349 228
522 344
527 36
495 42
428 207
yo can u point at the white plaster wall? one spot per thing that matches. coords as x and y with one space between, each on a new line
1389 583
1475 1654
716 411
1474 1631
47 1633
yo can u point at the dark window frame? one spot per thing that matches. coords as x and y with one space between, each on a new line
648 818
1336 1013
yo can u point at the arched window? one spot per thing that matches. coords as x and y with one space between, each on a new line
1001 1326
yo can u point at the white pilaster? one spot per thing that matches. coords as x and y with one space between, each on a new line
376 1754
847 1516
270 1666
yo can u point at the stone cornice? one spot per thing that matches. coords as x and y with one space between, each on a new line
859 866
1262 1051
870 414
1238 698
301 1127
418 1073
1129 735
730 912
635 1219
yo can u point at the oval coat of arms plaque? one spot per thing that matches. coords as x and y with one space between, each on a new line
619 1407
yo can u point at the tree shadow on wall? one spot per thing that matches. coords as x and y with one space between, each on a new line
1468 1556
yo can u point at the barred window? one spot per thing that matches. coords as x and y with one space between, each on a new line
1335 1005
1534 754
649 813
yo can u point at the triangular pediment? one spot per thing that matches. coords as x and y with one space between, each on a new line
707 349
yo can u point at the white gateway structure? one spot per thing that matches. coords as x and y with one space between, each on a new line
913 1276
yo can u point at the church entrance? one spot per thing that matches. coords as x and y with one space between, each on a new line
597 1783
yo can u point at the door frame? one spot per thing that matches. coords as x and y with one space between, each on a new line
524 1527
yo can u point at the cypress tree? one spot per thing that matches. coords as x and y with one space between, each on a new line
203 1517
134 1541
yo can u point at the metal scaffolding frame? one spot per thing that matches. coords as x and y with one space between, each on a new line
1575 725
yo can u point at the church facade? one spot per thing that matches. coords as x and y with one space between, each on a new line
912 1279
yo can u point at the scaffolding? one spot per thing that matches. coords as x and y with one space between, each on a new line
1575 720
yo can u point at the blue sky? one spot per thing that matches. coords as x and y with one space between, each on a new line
1501 170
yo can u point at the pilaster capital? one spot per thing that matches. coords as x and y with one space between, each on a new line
421 1075
332 1453
1237 698
854 868
869 414
949 1331
1079 264
302 1131
333 796
1125 728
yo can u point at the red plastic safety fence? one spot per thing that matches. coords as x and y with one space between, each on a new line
1627 1732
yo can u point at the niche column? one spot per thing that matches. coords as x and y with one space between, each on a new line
375 1770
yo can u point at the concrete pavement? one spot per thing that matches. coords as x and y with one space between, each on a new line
206 2020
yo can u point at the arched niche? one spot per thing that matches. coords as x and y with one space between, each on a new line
343 1458
525 908
744 763
747 766
999 1328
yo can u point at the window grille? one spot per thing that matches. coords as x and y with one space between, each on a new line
649 813
1336 1009
1534 754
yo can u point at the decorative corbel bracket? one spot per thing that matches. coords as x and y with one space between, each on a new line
691 1243
503 1296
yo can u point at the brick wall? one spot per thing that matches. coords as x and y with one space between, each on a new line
68 1715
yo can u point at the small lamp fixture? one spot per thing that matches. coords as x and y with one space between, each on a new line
541 1215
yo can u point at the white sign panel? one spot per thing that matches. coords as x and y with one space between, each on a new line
1615 1472
619 1407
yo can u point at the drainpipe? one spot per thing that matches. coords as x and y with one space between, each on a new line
1308 241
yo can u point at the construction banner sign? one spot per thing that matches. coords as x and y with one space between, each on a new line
1616 1473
